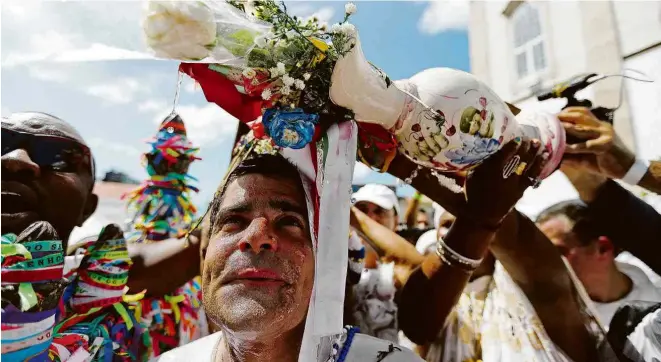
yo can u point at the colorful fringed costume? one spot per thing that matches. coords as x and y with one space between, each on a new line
162 209
82 317
98 320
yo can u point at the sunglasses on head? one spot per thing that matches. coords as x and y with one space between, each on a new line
49 152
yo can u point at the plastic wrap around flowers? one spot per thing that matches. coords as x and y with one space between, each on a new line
199 30
280 87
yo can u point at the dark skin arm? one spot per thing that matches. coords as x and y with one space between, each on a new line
433 289
174 258
412 211
527 255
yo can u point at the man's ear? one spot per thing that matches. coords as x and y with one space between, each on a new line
90 207
605 246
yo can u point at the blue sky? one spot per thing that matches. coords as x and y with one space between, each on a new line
117 105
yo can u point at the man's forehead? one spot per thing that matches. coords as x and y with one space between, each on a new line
256 188
41 124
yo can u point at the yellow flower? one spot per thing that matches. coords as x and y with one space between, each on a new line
321 45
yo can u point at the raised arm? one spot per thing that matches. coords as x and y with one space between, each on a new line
597 149
527 255
178 259
433 289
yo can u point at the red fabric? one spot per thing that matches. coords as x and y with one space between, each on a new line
376 136
315 192
26 276
221 91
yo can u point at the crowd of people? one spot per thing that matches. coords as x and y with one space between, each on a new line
479 282
287 263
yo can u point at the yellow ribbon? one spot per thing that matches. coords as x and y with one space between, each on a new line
173 300
119 307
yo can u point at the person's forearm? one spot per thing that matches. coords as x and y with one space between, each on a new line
530 258
652 179
537 268
151 262
384 241
402 168
434 288
411 212
629 222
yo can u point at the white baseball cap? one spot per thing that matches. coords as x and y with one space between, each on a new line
379 195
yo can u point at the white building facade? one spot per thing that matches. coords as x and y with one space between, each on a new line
520 47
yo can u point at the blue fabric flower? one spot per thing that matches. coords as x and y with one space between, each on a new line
291 128
475 149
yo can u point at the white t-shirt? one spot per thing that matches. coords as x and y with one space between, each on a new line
642 289
363 348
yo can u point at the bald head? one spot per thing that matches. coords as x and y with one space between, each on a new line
47 174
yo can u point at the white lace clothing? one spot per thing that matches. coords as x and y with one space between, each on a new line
362 348
495 322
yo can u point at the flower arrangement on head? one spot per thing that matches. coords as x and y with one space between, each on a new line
162 204
289 79
280 85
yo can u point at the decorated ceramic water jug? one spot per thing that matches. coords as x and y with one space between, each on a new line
442 118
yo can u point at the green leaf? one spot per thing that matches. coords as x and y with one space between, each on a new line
239 42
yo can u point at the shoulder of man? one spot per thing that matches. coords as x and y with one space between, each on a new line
646 290
200 350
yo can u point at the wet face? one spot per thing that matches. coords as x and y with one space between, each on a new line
259 265
387 218
46 174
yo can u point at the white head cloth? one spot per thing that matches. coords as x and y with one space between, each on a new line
326 170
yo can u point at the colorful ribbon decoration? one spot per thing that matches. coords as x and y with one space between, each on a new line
31 286
163 209
98 326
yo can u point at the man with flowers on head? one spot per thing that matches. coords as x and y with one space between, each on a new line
273 273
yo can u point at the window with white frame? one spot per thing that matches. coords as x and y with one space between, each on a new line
529 52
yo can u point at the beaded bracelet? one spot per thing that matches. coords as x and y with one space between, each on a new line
452 258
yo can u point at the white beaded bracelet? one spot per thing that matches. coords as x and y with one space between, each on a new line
636 172
451 257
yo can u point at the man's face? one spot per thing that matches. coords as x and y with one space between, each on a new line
44 176
387 218
422 221
259 266
584 259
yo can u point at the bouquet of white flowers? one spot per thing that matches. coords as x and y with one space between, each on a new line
214 32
